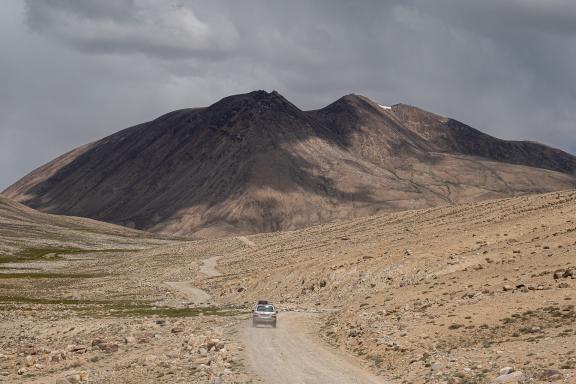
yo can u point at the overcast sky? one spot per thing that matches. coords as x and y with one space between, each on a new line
73 71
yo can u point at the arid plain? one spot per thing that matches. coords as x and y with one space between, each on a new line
462 294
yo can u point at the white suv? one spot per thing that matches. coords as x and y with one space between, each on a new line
264 313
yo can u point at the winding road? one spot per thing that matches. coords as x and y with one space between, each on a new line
188 289
289 354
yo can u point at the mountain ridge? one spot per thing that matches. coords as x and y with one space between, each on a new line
257 163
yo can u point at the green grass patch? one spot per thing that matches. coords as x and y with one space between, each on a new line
150 311
40 254
40 300
48 275
121 309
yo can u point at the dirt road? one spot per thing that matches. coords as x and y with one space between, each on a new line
291 354
188 288
208 267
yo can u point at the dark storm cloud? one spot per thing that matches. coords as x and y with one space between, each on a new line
73 71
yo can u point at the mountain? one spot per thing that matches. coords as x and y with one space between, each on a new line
257 163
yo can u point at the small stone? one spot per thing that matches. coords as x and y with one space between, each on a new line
506 370
558 274
436 366
96 342
549 375
354 333
56 358
29 361
108 347
74 379
164 364
129 340
507 288
77 348
513 377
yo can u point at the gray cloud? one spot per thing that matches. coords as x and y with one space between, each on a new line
163 29
74 71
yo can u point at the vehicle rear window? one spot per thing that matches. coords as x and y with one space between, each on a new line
265 308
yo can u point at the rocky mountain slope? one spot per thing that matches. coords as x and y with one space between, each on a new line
256 163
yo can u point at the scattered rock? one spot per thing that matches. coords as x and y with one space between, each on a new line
549 375
29 361
76 348
512 377
506 371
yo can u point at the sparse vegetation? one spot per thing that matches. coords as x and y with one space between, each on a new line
46 254
49 275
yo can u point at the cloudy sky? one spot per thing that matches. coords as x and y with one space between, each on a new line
73 71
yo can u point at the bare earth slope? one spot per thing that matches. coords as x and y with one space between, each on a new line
256 163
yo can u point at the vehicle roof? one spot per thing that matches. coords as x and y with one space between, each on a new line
265 305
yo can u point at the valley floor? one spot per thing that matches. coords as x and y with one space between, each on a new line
462 294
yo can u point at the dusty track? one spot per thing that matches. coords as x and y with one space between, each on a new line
291 354
188 289
208 267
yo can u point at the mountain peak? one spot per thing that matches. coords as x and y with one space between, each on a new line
254 102
356 105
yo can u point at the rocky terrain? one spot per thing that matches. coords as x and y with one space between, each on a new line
256 163
460 294
472 293
87 302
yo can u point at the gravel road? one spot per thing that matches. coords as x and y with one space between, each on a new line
188 289
291 354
